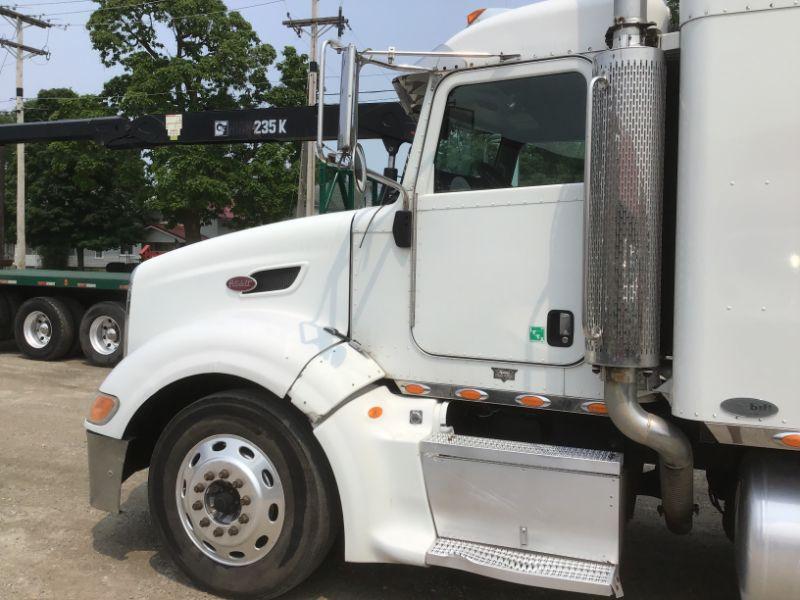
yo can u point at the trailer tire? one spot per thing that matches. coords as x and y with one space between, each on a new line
44 328
211 448
10 302
101 333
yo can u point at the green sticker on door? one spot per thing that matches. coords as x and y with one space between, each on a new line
536 334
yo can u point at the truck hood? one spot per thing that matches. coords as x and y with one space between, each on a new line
190 284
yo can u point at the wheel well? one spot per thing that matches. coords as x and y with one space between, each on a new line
152 417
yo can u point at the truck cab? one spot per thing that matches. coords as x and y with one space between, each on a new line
476 374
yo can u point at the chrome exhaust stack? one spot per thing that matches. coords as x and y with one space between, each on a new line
676 463
622 223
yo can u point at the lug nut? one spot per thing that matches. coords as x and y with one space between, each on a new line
224 474
238 483
233 530
218 532
199 488
204 522
245 501
243 519
197 505
209 476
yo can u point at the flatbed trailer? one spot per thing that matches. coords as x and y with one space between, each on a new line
51 314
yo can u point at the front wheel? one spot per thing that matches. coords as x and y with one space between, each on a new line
242 495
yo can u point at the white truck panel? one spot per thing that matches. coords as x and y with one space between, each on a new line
331 377
378 471
268 349
544 29
185 321
380 321
737 296
194 277
492 264
696 9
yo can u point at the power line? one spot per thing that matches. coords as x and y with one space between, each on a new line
137 5
52 3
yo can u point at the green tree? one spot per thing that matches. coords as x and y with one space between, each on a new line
79 195
674 8
181 56
267 186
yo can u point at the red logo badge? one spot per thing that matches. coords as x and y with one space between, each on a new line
241 284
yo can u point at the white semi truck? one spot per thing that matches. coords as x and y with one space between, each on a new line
592 265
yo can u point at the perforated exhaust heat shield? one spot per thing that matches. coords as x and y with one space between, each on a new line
623 209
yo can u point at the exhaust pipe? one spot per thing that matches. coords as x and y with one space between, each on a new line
676 462
622 223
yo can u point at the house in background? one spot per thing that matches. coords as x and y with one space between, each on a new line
158 236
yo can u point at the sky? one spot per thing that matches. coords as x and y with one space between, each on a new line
378 24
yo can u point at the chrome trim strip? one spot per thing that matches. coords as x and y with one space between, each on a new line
747 435
504 397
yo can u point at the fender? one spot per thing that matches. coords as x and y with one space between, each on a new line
265 347
333 377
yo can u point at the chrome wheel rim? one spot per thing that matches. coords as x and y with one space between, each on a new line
104 335
37 329
230 500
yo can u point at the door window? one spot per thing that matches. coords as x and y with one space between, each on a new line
513 133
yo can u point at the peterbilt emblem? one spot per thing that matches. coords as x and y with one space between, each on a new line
752 408
241 283
504 374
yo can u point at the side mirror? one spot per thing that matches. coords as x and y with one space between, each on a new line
348 103
360 169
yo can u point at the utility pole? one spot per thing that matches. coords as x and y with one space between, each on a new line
317 26
21 21
2 202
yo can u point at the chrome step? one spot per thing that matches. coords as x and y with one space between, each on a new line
552 500
526 568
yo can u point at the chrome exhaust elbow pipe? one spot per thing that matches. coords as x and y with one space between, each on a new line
676 462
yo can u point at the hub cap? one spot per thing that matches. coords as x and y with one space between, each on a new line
230 500
104 335
37 329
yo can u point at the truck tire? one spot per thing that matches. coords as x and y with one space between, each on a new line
242 495
44 328
9 305
101 333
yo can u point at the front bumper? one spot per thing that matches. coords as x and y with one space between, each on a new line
106 470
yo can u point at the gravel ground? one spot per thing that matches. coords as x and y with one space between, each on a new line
54 546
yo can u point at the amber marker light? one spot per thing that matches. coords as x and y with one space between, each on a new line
471 394
532 401
103 408
790 439
473 16
416 389
375 412
596 408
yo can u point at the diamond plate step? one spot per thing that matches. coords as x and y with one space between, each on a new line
523 453
527 568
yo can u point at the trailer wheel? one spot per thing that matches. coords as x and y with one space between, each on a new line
44 328
9 305
242 495
101 333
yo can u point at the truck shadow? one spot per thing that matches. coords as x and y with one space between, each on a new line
657 565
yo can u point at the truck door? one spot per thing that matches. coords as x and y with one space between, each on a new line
499 215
